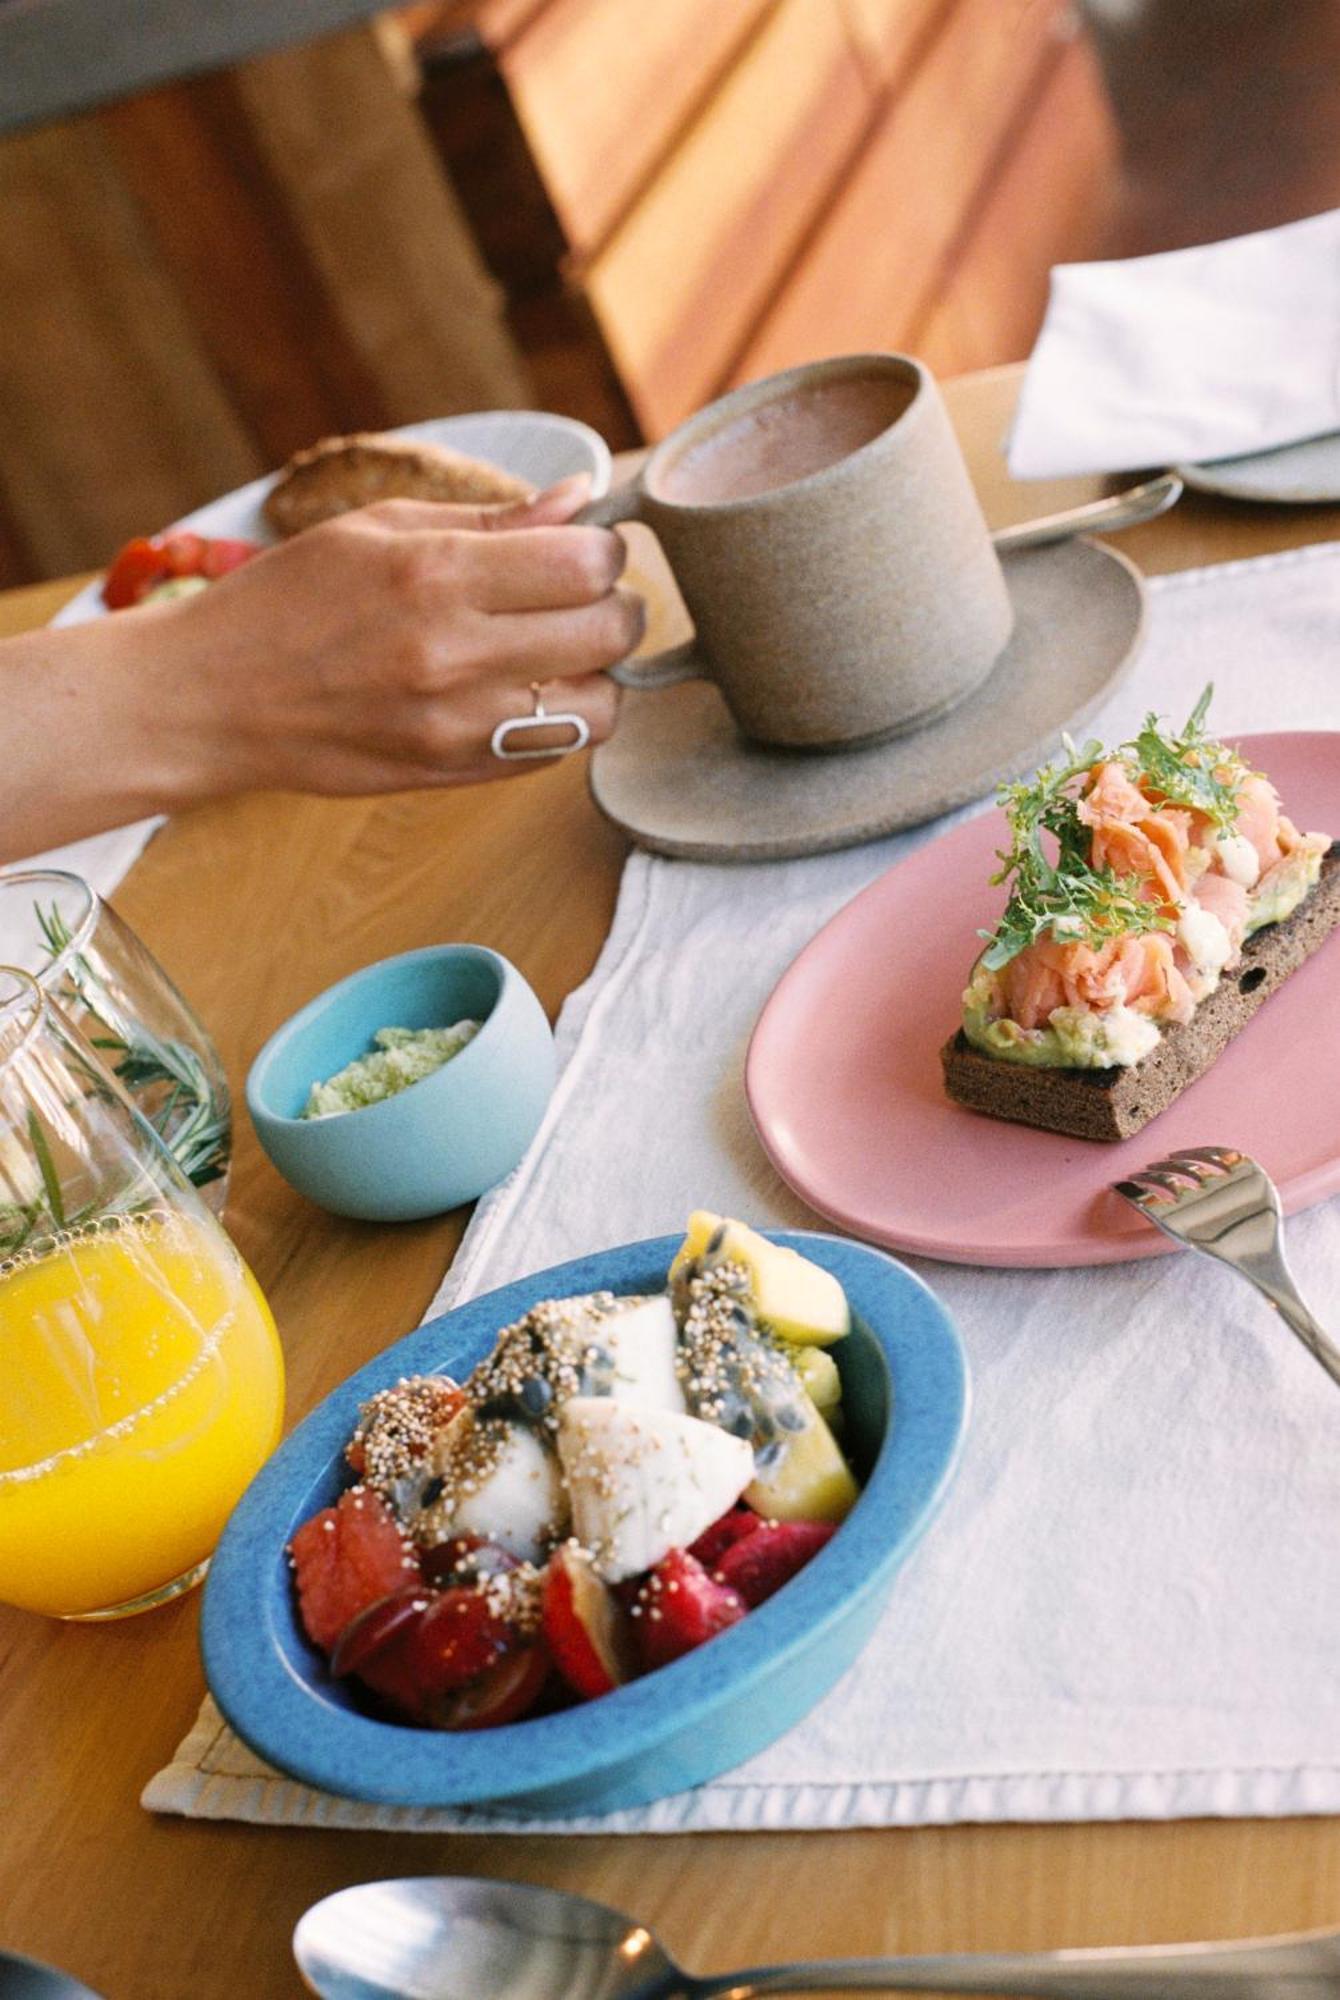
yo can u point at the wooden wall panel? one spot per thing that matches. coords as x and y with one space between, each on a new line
684 280
111 417
1053 203
269 326
866 279
196 281
603 99
358 179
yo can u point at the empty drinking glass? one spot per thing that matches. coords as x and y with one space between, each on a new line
53 925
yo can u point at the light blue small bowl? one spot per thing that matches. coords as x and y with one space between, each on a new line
437 1143
905 1403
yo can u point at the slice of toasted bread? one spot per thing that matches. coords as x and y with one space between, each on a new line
344 472
1115 1103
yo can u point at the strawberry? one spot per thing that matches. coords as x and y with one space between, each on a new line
142 564
771 1556
344 1559
183 552
225 553
137 568
586 1626
679 1606
730 1528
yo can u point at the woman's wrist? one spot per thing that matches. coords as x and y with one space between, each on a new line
99 728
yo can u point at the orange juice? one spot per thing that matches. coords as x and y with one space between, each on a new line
141 1386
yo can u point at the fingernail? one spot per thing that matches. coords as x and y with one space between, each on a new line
576 485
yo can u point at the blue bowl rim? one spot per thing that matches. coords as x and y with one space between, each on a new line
274 1703
365 974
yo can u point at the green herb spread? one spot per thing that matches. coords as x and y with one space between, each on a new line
398 1058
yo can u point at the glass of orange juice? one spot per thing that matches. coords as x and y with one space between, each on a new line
141 1379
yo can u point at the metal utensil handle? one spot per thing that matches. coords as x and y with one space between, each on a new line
1274 1281
1310 1966
1314 1338
1119 510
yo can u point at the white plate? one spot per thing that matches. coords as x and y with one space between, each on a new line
1297 475
534 444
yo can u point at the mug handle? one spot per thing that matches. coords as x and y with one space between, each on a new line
649 670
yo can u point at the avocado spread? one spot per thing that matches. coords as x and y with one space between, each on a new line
398 1058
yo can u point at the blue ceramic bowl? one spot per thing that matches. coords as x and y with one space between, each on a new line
443 1140
905 1395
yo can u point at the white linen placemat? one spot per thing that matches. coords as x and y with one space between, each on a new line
1130 1605
1192 354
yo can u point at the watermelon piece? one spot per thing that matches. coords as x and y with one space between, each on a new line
344 1559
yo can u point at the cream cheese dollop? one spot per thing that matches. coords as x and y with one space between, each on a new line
1206 943
1238 859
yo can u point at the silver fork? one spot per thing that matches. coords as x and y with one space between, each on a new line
1223 1204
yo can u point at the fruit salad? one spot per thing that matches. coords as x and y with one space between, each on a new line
617 1482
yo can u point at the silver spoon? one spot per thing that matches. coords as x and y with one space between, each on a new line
28 1979
1118 510
443 1937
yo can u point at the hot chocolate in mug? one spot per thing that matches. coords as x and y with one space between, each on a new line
830 548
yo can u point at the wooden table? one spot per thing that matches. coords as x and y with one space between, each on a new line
254 906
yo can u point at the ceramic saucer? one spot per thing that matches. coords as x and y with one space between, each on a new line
678 776
1296 475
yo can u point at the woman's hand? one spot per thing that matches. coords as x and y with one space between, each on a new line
377 652
381 650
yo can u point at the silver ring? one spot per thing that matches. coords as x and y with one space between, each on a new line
539 718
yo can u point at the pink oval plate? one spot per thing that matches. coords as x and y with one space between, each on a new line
843 1072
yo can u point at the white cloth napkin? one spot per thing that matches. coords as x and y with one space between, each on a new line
1192 354
103 860
1130 1606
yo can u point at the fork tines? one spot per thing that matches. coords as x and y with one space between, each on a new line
1180 1174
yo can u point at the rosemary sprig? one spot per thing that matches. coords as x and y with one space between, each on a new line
1184 765
17 1222
167 1080
1065 897
23 1225
46 1166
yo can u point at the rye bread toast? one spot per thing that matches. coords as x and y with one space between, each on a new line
1112 1104
341 473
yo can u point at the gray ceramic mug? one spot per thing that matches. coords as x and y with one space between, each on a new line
830 548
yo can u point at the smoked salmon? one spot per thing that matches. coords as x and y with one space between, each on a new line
1152 885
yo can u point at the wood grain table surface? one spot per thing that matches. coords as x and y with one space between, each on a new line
254 906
